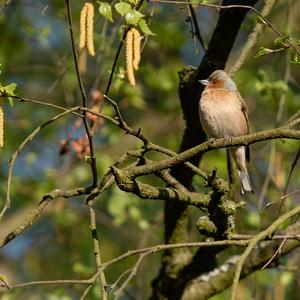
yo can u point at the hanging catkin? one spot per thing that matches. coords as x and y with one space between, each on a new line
90 29
136 48
129 57
83 15
87 28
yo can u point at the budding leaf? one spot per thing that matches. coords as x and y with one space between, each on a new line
263 51
105 10
145 28
296 59
3 279
8 91
282 41
122 8
133 16
260 20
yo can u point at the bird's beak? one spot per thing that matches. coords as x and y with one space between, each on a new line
204 82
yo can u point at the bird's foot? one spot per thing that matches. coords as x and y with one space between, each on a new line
230 139
212 141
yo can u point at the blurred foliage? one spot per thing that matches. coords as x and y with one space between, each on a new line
35 54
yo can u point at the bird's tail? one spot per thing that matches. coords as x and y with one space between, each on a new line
245 182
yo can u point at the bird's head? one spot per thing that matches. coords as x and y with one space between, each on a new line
219 80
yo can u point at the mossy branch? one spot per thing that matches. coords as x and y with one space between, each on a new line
212 144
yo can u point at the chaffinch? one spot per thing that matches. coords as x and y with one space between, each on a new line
223 114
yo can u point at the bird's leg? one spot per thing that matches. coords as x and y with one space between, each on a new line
229 139
211 140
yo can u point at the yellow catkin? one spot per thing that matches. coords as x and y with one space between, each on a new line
90 28
129 57
83 15
136 48
1 124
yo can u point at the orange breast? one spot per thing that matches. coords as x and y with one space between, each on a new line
221 113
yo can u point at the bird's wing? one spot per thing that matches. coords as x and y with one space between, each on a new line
244 108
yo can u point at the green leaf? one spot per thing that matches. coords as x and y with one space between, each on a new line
145 28
122 8
133 16
10 101
282 41
296 59
105 10
3 279
8 91
263 51
260 20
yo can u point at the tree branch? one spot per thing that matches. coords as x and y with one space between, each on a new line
221 278
254 241
36 213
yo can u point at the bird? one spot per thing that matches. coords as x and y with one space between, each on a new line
223 114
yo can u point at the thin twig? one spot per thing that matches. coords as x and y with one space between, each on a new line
243 242
273 256
36 213
290 194
83 109
96 248
267 179
196 27
143 251
172 181
252 37
112 286
6 3
123 125
113 68
280 113
20 148
272 27
84 99
269 238
158 248
48 104
254 241
133 272
114 65
51 282
147 144
86 291
198 171
36 131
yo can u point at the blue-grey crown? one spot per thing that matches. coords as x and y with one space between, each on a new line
222 75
